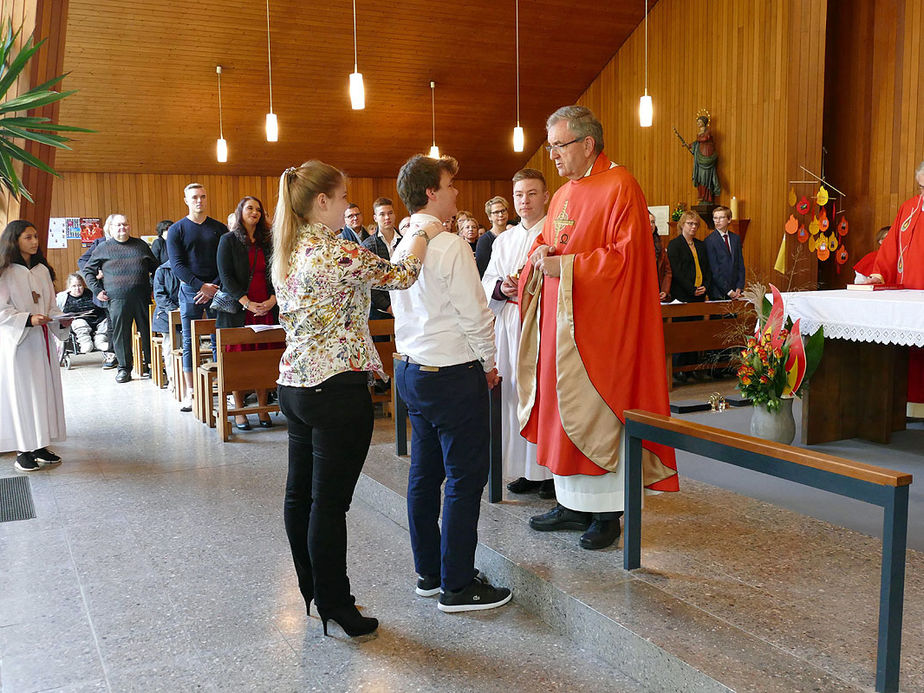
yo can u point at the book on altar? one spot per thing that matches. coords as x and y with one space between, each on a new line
875 287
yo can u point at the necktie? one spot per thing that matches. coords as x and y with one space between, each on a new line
727 243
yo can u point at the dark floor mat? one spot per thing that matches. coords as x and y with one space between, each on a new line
16 499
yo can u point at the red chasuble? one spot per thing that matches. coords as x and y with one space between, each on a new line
866 265
900 260
603 315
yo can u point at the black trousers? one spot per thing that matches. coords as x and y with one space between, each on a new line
122 312
330 428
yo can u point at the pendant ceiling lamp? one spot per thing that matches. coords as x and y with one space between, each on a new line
434 150
645 107
357 90
221 146
518 136
272 124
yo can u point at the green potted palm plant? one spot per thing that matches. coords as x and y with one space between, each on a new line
15 125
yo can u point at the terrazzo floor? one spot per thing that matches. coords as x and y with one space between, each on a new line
158 562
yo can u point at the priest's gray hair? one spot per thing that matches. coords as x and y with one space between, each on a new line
581 122
919 170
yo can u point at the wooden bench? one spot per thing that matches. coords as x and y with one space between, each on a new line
883 487
204 369
176 355
157 353
720 322
385 328
246 370
137 351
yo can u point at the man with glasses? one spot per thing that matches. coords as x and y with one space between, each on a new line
592 344
496 209
353 229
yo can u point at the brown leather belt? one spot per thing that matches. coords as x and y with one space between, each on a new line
408 359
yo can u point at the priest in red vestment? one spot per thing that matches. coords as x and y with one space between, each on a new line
900 260
592 344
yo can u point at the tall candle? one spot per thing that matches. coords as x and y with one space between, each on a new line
734 207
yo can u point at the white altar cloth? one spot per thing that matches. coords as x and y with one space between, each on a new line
883 317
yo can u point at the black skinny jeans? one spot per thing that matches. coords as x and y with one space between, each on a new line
330 428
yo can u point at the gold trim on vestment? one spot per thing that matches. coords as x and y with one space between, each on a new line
528 355
586 418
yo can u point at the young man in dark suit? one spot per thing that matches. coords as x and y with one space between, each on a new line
725 258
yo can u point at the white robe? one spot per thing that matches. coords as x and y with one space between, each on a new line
508 255
31 400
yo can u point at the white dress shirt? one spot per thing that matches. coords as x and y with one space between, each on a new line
443 319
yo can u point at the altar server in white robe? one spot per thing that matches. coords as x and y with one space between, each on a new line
509 254
31 401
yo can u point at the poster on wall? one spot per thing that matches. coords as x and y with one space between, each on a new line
72 224
662 214
91 228
57 233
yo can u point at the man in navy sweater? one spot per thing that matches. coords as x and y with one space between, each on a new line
192 245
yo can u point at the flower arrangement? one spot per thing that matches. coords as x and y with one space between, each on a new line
777 361
678 211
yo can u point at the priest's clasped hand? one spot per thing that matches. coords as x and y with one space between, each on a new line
539 254
551 266
509 287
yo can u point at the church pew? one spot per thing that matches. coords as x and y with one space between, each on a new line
246 370
203 370
721 325
384 328
883 487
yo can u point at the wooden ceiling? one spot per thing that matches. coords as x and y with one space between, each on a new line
146 78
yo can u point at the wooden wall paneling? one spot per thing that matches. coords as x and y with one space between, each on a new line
761 120
872 126
145 123
148 198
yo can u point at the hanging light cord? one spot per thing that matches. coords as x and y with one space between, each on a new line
646 47
433 108
221 133
355 50
518 60
269 56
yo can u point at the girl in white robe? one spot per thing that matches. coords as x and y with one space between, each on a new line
31 401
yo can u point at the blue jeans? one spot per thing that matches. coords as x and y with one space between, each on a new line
189 311
450 440
330 428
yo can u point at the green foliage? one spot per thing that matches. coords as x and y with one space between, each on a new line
14 127
814 348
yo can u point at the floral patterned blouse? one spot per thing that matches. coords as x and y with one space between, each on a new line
324 305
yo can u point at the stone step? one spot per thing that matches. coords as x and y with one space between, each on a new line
630 620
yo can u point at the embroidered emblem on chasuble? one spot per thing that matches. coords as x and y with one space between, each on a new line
562 222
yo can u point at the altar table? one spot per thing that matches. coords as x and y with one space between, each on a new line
860 389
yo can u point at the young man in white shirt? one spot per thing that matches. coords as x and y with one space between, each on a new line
445 336
508 256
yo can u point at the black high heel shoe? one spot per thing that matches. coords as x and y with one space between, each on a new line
348 617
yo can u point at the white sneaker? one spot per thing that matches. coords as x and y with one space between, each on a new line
187 401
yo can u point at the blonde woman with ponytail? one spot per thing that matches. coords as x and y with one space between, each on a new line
322 289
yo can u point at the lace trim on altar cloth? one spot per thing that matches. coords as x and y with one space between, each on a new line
861 333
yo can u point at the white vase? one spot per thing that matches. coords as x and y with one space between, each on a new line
778 426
